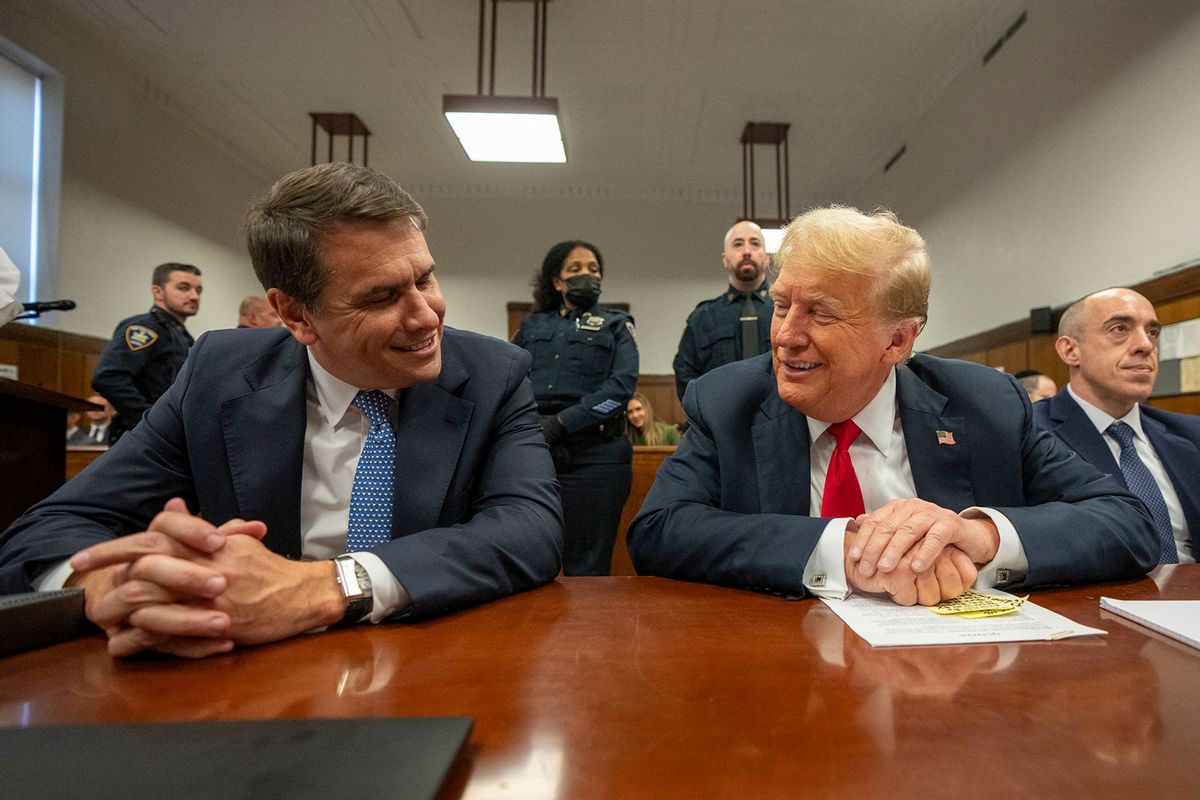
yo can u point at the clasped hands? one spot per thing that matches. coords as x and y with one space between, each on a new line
186 587
917 552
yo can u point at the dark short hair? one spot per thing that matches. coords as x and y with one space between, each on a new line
283 228
1026 373
545 296
162 273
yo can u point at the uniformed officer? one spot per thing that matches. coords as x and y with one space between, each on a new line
585 368
147 350
736 324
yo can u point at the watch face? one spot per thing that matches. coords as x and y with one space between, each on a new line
348 575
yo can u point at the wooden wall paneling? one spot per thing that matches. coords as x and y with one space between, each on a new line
979 357
54 360
660 391
1011 357
516 312
646 461
1176 297
89 367
10 353
72 378
39 366
1180 403
1184 308
1044 358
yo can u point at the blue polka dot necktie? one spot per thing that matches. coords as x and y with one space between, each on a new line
371 496
1142 484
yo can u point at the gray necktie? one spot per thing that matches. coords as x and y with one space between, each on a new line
1142 483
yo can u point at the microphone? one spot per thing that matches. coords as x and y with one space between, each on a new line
34 309
50 305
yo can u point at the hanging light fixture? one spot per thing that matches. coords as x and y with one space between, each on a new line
494 127
776 133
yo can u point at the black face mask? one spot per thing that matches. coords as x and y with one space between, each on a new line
583 291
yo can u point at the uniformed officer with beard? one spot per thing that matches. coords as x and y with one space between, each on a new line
737 323
146 351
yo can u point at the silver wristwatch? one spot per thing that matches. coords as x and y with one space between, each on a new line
352 577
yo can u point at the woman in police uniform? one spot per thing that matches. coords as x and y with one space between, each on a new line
585 368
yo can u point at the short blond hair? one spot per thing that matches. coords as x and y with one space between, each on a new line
841 239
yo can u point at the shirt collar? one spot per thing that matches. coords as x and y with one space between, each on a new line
760 293
165 317
877 419
1101 419
334 395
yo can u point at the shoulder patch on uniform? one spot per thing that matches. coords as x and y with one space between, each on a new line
139 337
632 333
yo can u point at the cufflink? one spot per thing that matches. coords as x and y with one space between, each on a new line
818 581
1001 576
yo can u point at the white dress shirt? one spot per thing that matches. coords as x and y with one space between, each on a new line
880 460
1146 452
333 441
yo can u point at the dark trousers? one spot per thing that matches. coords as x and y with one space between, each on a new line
594 485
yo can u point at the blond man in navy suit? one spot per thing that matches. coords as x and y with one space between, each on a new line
958 485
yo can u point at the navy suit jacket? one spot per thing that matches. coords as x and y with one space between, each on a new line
731 506
1175 437
477 513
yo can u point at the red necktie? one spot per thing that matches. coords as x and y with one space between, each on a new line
842 497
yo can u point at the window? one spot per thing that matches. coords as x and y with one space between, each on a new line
30 137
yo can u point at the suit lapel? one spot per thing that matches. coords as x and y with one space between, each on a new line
1181 459
939 446
264 437
1073 427
780 436
431 427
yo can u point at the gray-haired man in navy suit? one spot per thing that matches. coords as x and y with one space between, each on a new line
364 463
1109 342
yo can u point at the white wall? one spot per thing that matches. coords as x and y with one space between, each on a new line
661 257
140 185
143 184
1068 164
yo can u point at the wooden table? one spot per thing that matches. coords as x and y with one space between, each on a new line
642 687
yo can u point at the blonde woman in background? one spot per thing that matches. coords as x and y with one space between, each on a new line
643 427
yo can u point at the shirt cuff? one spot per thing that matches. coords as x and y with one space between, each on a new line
54 578
825 572
388 596
1010 563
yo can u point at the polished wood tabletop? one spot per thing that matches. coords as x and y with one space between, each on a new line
642 687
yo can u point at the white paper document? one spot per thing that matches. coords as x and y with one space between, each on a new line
884 624
1179 619
1180 340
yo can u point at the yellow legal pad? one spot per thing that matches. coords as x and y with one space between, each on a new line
976 605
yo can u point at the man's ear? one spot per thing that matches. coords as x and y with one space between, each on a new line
294 316
156 292
1067 348
903 337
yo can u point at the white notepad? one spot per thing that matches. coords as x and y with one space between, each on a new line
1179 619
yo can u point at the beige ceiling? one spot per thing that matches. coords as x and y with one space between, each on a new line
653 94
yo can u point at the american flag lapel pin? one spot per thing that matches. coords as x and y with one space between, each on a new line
946 437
